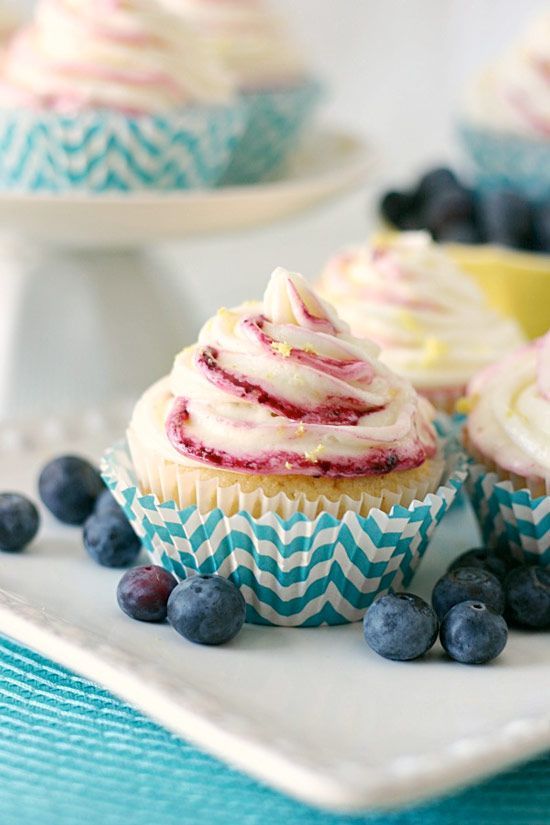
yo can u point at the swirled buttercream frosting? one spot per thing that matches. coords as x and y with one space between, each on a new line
430 319
282 387
130 55
510 417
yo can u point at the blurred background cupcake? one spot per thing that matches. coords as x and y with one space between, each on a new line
429 318
110 96
9 21
506 118
270 71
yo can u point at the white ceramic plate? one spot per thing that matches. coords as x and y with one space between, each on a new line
312 712
329 163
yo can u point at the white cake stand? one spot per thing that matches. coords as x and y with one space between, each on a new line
84 316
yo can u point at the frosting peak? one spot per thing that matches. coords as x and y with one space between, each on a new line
282 387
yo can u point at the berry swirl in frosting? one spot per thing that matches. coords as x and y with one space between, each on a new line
130 55
429 318
283 388
510 418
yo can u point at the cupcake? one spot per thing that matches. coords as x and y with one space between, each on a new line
9 22
270 72
281 452
430 319
508 436
506 120
113 96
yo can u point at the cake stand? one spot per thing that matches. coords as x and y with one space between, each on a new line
84 312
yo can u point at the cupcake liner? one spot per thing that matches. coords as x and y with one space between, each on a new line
514 516
100 150
275 122
509 161
295 571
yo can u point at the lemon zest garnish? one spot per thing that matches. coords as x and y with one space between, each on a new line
434 350
288 465
301 429
313 455
409 322
466 404
310 349
282 347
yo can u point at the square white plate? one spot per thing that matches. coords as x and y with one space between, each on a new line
314 713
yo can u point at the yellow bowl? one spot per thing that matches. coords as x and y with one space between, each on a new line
516 283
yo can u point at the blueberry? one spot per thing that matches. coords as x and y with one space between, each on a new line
541 227
208 610
448 207
528 596
505 218
110 541
467 584
69 487
460 232
400 626
397 208
143 593
485 560
107 505
19 522
435 181
473 634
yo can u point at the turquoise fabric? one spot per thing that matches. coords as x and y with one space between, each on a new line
72 753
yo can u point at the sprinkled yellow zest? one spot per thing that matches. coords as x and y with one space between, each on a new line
465 405
409 322
309 348
314 454
288 465
301 429
282 347
434 350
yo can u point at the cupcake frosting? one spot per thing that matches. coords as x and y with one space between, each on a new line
429 318
510 417
282 387
131 55
514 94
249 39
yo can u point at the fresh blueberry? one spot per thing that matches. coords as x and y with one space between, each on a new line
400 626
143 593
485 560
528 596
110 541
467 584
69 487
19 522
541 227
397 208
448 207
435 181
505 218
473 634
461 232
207 610
107 505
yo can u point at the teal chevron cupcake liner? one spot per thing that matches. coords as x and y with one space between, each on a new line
293 571
276 119
509 161
101 151
511 516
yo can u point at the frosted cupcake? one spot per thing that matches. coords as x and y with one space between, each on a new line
508 434
269 70
430 319
280 450
113 95
507 116
9 22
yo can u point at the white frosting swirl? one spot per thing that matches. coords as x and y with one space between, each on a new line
131 55
430 319
249 39
514 94
283 388
510 419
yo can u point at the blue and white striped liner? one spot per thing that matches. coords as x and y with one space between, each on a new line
509 161
509 515
99 151
296 571
276 120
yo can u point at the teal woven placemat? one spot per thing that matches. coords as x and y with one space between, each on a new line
72 753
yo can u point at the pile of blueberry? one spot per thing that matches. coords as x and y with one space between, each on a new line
469 603
454 213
